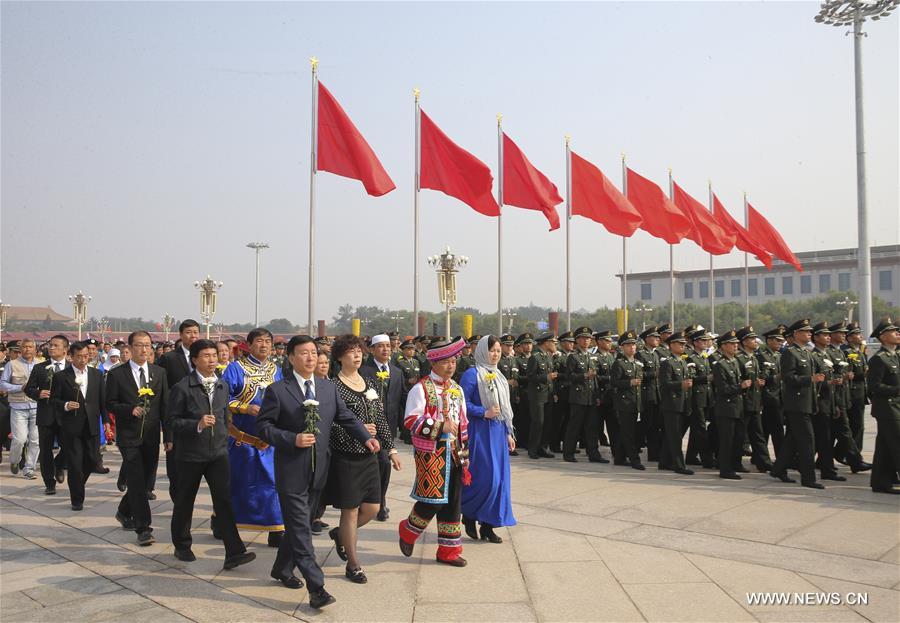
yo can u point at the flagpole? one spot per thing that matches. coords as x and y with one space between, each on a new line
417 159
624 258
746 272
314 63
712 300
499 226
671 265
568 235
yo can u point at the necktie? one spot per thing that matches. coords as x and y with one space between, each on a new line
383 367
309 392
56 367
143 379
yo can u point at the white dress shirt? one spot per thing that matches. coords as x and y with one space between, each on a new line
136 372
187 357
302 382
81 376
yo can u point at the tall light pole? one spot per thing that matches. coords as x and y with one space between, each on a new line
103 327
257 246
640 307
4 308
397 317
79 305
167 323
848 303
512 316
447 265
208 289
847 13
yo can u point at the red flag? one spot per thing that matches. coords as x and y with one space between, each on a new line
343 150
705 231
769 237
595 197
743 240
447 167
526 187
662 218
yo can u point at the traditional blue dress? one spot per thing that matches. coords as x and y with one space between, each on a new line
488 499
253 495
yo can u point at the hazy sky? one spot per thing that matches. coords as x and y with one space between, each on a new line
144 144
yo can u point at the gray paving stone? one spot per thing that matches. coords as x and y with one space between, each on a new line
72 590
685 602
883 606
643 564
577 591
497 612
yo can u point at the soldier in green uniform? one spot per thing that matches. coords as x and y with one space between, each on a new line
626 377
826 398
278 357
606 413
521 416
675 383
541 375
855 353
662 350
421 342
466 360
509 369
699 450
561 391
729 406
752 399
883 380
798 393
409 366
649 431
581 371
844 445
768 356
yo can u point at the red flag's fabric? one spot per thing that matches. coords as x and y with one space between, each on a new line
743 240
342 150
769 237
447 167
526 187
662 218
705 230
595 197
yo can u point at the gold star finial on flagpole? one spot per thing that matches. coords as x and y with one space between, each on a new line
416 93
314 63
568 138
499 118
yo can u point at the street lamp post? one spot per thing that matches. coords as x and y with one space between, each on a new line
397 318
847 13
642 309
208 289
257 246
103 327
447 265
512 316
848 303
167 323
79 305
4 308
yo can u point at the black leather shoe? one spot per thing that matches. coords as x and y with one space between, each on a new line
638 466
569 458
471 528
335 536
533 455
813 485
320 598
127 523
456 562
49 490
598 459
546 454
383 515
151 496
101 469
238 559
886 490
742 470
862 467
289 582
185 555
684 472
835 477
60 476
763 469
275 538
145 538
77 507
782 477
513 453
620 463
318 527
487 534
730 476
406 548
357 575
122 486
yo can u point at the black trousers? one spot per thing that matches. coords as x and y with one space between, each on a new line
821 423
138 463
607 416
886 462
759 448
773 427
799 440
845 447
384 471
698 448
296 549
171 473
626 448
522 420
651 430
560 420
80 461
218 478
49 465
731 440
583 424
671 455
541 425
856 417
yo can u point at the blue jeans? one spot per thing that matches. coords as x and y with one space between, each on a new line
23 423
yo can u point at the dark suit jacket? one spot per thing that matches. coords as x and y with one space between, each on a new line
283 415
393 400
37 381
188 402
65 390
122 398
175 365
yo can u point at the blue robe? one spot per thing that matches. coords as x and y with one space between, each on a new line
488 498
253 495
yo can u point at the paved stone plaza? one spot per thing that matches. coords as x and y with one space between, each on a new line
594 543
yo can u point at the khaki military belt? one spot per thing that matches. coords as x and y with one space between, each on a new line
240 438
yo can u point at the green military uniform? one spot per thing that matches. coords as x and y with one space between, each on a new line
561 393
827 396
843 443
521 413
509 369
409 366
769 362
700 451
752 399
466 361
858 366
798 400
581 371
883 380
649 431
606 412
627 403
540 373
674 405
729 409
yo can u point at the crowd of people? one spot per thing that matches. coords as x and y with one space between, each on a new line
281 430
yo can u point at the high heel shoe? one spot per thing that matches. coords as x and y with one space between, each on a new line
471 529
487 534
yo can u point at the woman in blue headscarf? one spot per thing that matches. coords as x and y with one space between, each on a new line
491 438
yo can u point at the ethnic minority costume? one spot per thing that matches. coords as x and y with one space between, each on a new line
252 461
441 460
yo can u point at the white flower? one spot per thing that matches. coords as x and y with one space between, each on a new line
828 363
843 363
310 403
371 394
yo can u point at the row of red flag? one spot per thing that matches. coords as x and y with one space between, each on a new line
448 168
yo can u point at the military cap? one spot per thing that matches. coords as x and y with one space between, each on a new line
664 328
474 339
13 345
407 344
729 337
420 338
629 337
603 335
320 340
882 327
649 332
280 342
525 338
690 329
840 327
545 337
119 343
775 334
393 334
822 327
508 339
853 327
699 334
744 332
90 341
566 337
676 337
800 325
583 332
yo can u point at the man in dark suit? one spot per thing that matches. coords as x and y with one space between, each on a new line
177 364
389 381
137 430
38 388
301 458
78 397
